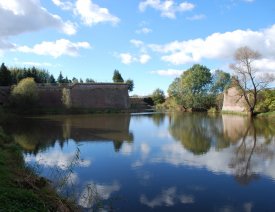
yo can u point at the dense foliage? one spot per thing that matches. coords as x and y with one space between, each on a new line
266 101
197 88
24 94
158 96
130 84
117 78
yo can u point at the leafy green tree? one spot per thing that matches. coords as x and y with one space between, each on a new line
24 94
192 89
130 84
266 101
117 78
5 76
221 81
158 96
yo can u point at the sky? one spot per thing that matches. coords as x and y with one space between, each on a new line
149 41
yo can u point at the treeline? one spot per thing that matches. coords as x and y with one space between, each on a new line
197 89
12 76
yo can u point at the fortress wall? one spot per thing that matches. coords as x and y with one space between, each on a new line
93 96
50 96
233 101
100 96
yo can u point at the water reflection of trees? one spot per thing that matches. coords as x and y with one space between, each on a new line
39 134
248 138
255 141
196 132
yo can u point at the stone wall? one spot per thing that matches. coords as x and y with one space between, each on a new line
233 101
100 96
88 96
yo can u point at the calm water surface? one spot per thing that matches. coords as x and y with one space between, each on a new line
155 162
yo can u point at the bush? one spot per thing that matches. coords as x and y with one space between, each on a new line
24 94
266 102
158 96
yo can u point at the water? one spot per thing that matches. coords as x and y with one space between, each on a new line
155 162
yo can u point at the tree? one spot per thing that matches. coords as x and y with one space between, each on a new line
89 80
192 89
74 80
247 78
117 78
24 94
60 78
158 96
5 76
52 79
130 84
221 81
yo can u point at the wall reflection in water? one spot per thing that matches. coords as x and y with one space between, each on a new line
35 135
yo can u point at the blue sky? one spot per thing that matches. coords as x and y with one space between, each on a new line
149 41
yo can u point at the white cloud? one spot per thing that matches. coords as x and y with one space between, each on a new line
168 198
168 8
196 17
56 48
57 159
128 58
168 72
145 149
97 192
64 5
69 28
92 14
144 58
127 149
137 43
144 30
265 64
21 16
218 46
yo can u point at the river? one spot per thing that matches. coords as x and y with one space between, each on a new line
154 162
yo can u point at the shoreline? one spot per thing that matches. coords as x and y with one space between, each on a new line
21 188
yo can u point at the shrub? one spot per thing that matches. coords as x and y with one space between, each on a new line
24 94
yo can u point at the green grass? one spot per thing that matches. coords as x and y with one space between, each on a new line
234 113
20 188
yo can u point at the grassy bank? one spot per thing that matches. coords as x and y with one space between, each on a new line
267 114
20 188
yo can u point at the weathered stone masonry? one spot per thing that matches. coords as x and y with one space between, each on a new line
94 96
233 101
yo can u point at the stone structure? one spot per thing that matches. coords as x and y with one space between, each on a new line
80 95
233 101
